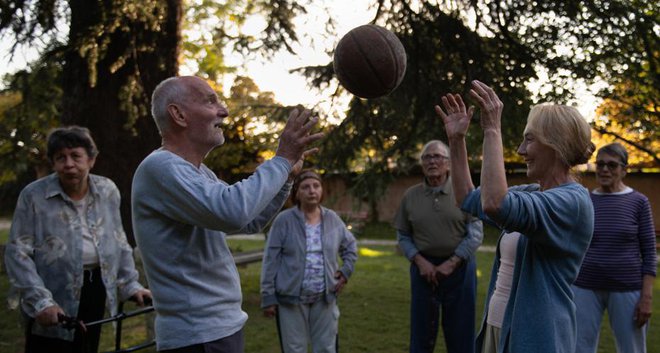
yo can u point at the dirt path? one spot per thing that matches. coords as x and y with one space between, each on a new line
5 223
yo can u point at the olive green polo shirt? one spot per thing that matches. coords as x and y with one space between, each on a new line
430 215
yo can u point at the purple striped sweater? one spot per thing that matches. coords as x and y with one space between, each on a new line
622 249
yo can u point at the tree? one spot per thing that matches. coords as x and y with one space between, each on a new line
503 43
383 136
30 102
114 55
28 107
609 40
631 116
506 43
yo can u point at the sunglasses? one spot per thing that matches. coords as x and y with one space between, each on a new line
610 165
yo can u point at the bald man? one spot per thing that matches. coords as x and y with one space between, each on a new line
182 213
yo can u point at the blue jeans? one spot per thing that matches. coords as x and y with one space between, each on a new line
454 299
620 306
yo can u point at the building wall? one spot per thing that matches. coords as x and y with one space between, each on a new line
338 196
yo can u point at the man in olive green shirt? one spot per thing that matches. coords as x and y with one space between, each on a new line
440 241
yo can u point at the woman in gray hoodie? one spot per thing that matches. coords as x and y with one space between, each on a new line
301 276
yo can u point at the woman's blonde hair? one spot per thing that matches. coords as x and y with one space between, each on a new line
563 129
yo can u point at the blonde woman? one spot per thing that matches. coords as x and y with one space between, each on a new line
546 227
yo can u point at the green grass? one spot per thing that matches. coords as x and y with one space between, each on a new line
370 306
374 307
377 230
4 236
245 245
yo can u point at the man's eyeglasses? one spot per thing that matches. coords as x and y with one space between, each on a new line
434 157
610 165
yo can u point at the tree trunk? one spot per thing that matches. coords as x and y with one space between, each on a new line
122 143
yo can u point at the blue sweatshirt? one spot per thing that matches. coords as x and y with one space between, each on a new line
557 225
181 215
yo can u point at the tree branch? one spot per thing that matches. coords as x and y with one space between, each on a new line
651 153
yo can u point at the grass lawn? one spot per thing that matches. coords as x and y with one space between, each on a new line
4 236
374 306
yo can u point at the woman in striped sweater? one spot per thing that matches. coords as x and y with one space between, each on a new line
619 268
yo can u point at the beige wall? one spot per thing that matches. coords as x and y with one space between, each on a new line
338 197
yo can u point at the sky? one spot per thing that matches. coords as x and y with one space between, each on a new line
19 60
274 75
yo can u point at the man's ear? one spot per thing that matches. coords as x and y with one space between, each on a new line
177 115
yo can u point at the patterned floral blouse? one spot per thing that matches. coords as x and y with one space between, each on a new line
44 254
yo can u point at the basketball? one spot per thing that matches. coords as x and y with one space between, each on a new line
369 61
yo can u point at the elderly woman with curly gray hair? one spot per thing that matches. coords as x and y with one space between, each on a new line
67 254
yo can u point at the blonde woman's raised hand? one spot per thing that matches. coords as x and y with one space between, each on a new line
455 116
489 103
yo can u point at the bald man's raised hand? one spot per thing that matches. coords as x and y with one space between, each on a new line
296 136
